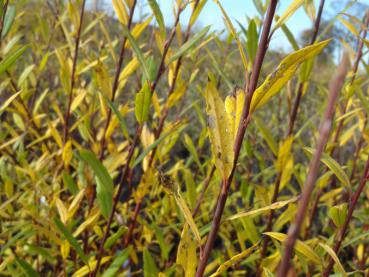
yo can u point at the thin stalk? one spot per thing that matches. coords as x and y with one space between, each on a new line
133 145
343 230
263 45
289 133
324 130
72 78
340 124
116 80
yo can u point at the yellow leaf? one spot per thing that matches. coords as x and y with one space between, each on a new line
220 132
75 203
300 246
349 26
233 106
274 206
235 259
62 210
67 153
284 153
334 257
284 72
121 11
186 254
289 11
90 220
83 271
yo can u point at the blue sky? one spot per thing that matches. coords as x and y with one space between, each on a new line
238 10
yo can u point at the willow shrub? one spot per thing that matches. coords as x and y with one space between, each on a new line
131 147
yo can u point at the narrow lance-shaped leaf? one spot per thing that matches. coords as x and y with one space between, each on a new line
158 15
334 257
284 72
220 131
11 59
186 254
332 165
235 259
104 183
8 21
137 51
73 242
289 11
183 50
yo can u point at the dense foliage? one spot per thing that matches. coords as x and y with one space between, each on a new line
133 148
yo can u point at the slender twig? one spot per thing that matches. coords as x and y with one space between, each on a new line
340 124
342 232
324 130
133 145
164 115
289 133
263 45
72 77
116 80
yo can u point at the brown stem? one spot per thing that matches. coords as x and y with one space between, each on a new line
324 130
116 201
289 133
114 89
72 78
263 45
343 230
340 124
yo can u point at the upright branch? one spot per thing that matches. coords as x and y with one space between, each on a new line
260 54
116 79
72 77
324 130
341 122
133 145
289 133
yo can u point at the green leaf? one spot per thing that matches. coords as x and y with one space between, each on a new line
73 242
150 268
138 52
332 165
355 239
334 257
104 183
284 72
142 103
114 237
252 40
158 15
26 268
9 20
11 59
9 101
116 265
183 50
267 135
300 246
338 214
69 183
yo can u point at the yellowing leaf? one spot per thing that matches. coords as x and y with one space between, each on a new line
233 106
334 257
235 259
284 153
349 26
300 246
186 254
220 131
290 10
284 72
121 11
62 210
332 165
274 206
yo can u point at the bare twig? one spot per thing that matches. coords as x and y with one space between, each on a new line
263 45
324 130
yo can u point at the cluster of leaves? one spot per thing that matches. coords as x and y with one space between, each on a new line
114 138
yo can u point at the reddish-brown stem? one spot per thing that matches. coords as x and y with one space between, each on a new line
324 130
340 123
343 230
72 77
116 201
289 133
114 89
260 54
